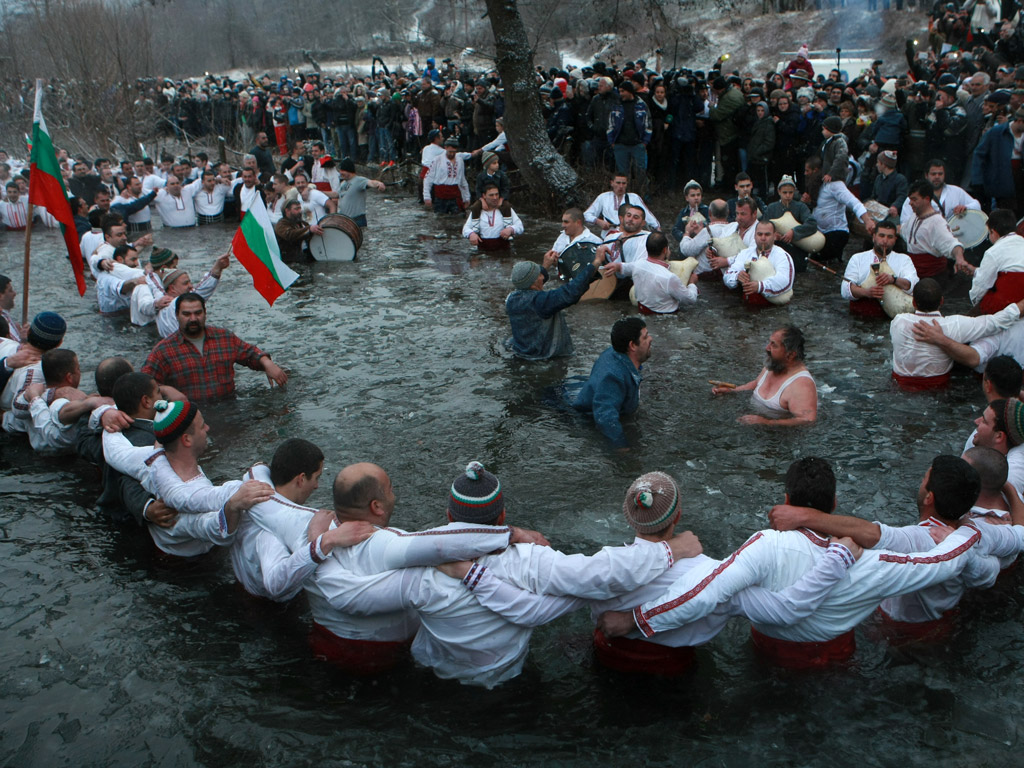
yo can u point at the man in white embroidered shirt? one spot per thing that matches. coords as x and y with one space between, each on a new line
659 291
775 559
604 211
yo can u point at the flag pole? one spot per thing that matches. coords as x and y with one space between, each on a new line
28 229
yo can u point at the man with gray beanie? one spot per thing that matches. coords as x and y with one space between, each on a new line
539 331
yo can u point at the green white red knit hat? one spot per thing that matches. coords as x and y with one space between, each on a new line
475 496
652 503
173 419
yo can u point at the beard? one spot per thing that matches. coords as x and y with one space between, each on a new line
883 250
773 365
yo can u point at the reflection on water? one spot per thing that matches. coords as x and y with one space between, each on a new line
398 359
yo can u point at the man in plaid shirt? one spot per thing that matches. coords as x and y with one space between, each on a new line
199 359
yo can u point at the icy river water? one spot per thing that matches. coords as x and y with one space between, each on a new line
111 660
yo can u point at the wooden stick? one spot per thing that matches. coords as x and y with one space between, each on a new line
24 282
726 384
827 269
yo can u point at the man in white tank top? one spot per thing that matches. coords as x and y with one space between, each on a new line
784 393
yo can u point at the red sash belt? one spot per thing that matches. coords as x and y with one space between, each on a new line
446 192
871 308
1008 289
323 186
796 655
644 310
921 383
357 657
928 265
625 654
756 300
901 632
493 244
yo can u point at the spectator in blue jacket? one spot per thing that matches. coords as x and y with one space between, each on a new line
629 132
993 166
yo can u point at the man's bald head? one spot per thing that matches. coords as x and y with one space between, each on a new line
363 492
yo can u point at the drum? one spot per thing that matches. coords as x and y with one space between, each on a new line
341 240
969 227
576 257
876 210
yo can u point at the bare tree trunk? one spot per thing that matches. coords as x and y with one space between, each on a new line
545 172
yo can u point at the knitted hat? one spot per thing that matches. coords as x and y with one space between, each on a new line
346 164
48 326
524 273
627 85
555 94
475 496
652 503
451 143
999 97
1019 114
171 276
778 93
172 419
486 159
161 257
888 100
803 52
887 158
692 184
834 124
786 181
1014 414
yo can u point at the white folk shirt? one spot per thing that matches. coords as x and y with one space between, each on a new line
348 572
697 246
777 559
563 241
445 172
490 224
606 206
1005 255
246 197
90 242
951 197
201 523
790 605
46 433
108 288
633 247
13 325
778 283
460 639
152 181
997 541
17 417
211 203
167 318
261 560
14 215
430 153
859 267
178 211
930 235
833 200
657 287
139 217
314 205
911 357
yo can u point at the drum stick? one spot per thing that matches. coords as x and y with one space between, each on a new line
726 384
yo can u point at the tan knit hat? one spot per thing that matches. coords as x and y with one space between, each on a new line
652 503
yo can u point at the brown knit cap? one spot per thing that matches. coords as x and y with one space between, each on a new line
652 503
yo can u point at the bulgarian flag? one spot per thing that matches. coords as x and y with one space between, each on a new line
46 188
255 247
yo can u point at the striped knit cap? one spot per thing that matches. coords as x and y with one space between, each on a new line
475 496
1014 415
172 419
652 503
